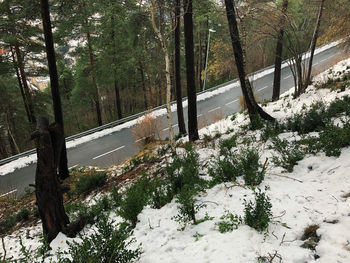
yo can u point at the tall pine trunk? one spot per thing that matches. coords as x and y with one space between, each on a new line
143 83
278 56
253 108
163 43
313 44
94 82
27 94
190 73
56 98
177 32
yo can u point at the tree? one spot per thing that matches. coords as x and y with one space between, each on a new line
254 110
165 50
51 58
177 45
278 56
190 73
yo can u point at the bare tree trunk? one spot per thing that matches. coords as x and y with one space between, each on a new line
253 108
28 96
200 66
278 57
191 85
93 78
167 74
143 84
177 32
56 98
117 97
12 141
313 45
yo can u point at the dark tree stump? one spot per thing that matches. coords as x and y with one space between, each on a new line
48 192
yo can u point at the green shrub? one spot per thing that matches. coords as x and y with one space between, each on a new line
258 215
270 130
135 198
226 145
107 244
22 215
160 193
7 223
225 170
185 183
89 182
339 106
333 138
229 222
289 153
250 167
116 197
308 121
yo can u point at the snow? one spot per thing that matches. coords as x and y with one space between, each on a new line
312 194
24 161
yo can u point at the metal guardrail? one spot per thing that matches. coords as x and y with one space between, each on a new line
133 117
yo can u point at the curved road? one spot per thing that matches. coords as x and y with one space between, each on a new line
117 146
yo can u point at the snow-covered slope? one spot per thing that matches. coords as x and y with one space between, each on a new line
316 192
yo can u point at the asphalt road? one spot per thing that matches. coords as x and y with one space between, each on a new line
118 146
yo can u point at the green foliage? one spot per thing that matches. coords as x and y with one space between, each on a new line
339 106
7 223
135 198
89 182
289 153
226 145
229 222
258 215
333 138
160 193
270 130
107 244
250 167
224 170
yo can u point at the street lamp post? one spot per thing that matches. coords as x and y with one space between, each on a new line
206 59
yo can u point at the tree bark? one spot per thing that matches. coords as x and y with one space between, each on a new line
200 66
167 74
93 78
48 193
177 32
313 45
142 74
56 98
190 74
28 96
253 108
278 56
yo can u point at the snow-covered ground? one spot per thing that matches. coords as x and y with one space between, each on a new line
25 161
313 194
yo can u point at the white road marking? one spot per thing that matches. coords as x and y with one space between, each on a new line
316 63
217 108
140 139
72 167
263 88
165 129
119 148
231 102
323 60
199 115
287 77
13 191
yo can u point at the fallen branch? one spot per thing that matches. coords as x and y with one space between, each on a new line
3 247
284 176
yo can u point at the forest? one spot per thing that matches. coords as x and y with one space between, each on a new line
110 61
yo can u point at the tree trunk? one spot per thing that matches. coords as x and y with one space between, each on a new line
180 114
200 66
93 78
167 74
12 141
278 56
253 108
28 96
117 97
191 85
142 74
20 85
48 193
313 46
56 98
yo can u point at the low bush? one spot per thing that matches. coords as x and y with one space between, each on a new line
22 215
223 170
107 244
251 169
333 138
289 153
339 106
258 215
89 182
226 145
134 199
229 222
